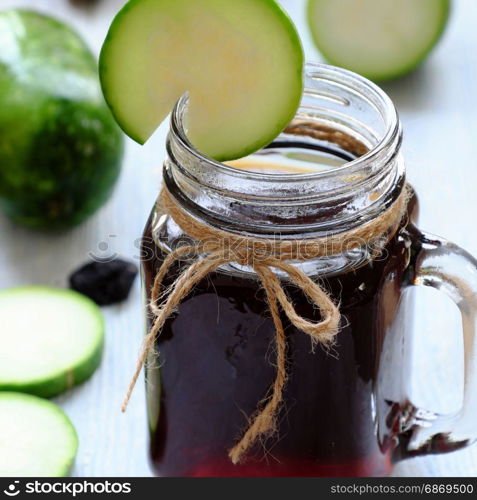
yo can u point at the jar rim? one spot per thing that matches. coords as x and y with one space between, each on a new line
323 71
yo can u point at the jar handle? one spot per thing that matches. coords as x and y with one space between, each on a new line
442 265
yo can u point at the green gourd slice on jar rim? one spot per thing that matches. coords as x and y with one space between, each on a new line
240 62
37 438
51 340
380 39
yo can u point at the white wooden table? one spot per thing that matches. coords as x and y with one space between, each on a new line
438 106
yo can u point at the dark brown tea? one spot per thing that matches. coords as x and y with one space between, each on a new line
216 362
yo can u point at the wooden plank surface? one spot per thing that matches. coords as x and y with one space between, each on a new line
438 106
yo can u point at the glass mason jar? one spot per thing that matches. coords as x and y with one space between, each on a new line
346 411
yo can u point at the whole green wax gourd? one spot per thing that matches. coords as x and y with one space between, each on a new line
60 148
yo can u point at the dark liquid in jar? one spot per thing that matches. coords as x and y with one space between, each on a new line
216 363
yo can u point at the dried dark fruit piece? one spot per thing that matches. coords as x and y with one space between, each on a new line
105 282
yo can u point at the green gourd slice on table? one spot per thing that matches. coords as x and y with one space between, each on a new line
380 39
37 438
60 148
51 340
241 62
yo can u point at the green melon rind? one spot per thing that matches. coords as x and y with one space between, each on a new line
103 72
60 382
445 8
64 468
288 114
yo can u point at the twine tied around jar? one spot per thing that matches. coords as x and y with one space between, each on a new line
216 247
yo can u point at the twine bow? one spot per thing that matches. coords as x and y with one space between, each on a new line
216 247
